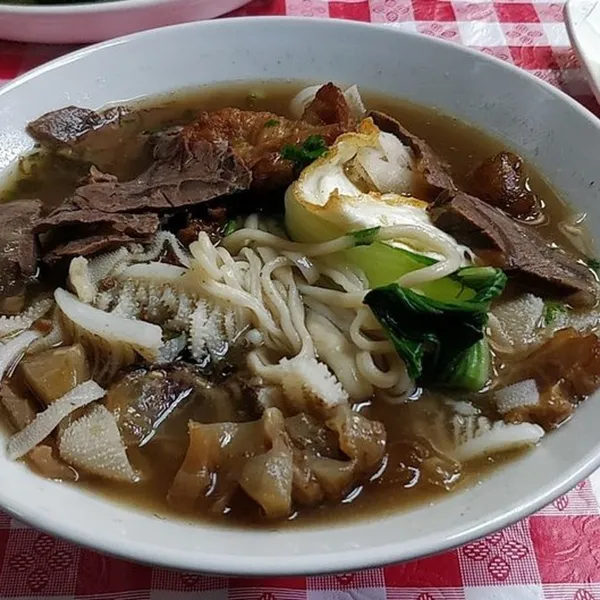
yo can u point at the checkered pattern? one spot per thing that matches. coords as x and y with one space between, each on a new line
554 555
530 34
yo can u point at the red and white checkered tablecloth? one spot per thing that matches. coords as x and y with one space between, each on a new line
554 555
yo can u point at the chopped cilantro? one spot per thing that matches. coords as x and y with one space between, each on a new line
302 155
593 263
552 310
272 123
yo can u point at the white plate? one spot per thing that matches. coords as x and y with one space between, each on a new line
583 24
560 137
83 23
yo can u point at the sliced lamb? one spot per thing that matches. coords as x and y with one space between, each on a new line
93 244
218 155
518 249
182 174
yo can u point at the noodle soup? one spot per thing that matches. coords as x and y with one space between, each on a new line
278 303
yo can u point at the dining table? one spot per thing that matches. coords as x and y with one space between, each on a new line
552 555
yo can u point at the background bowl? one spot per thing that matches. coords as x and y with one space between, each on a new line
556 134
93 22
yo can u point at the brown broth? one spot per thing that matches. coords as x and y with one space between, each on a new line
50 177
397 486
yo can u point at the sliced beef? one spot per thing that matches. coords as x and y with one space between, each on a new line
66 127
104 211
182 174
328 108
502 182
257 138
18 251
92 136
518 249
107 234
434 170
73 231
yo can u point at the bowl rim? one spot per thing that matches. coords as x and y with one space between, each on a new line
353 559
79 8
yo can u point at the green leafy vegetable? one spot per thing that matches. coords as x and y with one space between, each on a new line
232 225
441 341
383 264
552 310
487 282
437 328
364 237
469 370
424 323
272 123
302 155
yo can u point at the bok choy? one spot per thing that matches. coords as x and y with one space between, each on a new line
383 264
441 341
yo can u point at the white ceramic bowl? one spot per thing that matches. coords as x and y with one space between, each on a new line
94 22
554 132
